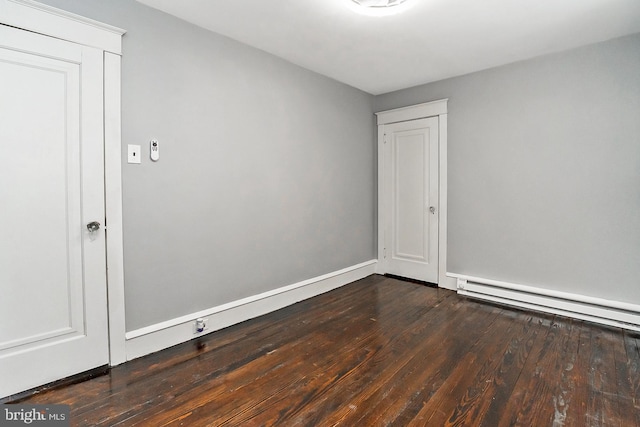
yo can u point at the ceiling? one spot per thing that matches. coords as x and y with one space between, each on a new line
430 40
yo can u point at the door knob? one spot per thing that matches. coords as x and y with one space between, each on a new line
432 209
93 226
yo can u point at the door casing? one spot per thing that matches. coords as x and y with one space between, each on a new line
420 111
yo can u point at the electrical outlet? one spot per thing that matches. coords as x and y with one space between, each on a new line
201 325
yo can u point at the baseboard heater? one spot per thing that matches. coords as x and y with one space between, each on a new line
598 310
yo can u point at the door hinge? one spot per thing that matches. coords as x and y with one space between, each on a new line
384 138
384 253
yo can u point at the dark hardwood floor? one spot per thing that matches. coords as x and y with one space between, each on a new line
377 352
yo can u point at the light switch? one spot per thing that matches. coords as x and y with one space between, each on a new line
134 154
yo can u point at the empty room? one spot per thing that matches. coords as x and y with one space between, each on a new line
320 212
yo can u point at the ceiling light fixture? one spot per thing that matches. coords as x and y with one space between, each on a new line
379 3
379 7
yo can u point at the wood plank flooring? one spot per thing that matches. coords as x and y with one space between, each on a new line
377 352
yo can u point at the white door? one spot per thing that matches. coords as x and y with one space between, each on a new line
410 190
53 309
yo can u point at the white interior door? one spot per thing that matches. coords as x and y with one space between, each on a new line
411 199
53 309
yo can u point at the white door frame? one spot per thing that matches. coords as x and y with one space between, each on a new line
420 111
53 22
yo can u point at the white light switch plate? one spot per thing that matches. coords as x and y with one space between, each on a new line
134 154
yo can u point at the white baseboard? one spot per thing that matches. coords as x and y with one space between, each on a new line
598 310
163 335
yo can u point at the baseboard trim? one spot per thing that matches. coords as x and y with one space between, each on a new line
597 310
150 339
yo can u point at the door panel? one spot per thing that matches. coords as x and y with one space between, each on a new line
409 196
53 313
411 192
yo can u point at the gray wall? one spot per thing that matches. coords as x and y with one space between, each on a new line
266 176
544 170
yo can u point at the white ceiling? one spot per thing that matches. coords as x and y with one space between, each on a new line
431 40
